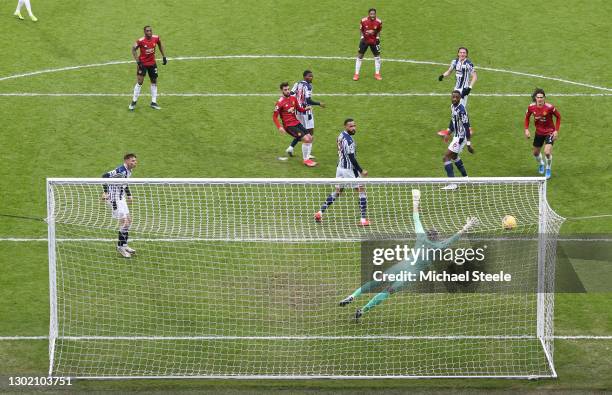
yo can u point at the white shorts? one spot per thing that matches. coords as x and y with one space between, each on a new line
119 208
306 119
346 173
455 147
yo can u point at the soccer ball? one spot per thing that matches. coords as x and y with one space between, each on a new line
508 222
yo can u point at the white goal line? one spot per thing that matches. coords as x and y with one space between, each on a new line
341 94
193 239
570 337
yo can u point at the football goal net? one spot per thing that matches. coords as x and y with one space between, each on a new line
238 278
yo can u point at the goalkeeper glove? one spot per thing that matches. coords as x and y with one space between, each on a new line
164 61
471 222
466 91
441 77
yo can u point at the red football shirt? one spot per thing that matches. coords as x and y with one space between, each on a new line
369 24
286 108
543 118
147 49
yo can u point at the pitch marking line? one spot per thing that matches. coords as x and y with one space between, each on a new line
377 94
411 61
43 239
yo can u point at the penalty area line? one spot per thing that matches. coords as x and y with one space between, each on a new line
341 94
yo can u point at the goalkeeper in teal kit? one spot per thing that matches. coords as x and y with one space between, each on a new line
424 240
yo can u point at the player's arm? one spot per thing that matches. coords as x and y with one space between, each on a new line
447 72
109 174
557 115
355 164
311 102
527 118
128 193
468 135
161 50
275 116
300 108
135 54
416 202
470 223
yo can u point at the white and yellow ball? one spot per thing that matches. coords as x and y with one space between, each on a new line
508 222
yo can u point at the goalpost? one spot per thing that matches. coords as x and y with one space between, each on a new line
233 278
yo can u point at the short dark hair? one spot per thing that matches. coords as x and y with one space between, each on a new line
371 9
283 84
347 120
456 91
145 28
466 50
306 72
536 92
129 156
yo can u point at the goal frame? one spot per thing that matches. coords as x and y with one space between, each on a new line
544 316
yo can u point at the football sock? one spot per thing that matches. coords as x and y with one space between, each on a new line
357 65
28 7
308 149
376 300
459 164
153 93
549 162
137 88
19 5
448 166
539 158
305 150
329 201
294 142
123 237
363 204
377 64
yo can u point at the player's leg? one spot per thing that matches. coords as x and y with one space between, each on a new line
152 70
306 147
459 163
538 141
29 9
140 72
309 125
18 9
548 148
377 61
362 49
367 287
363 205
331 198
448 162
121 212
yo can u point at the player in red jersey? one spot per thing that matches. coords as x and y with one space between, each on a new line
286 106
370 28
546 130
146 64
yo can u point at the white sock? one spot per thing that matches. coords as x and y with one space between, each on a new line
377 64
357 65
309 149
137 88
153 93
306 150
28 7
549 162
19 5
539 159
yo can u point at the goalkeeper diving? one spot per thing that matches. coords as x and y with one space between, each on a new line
424 239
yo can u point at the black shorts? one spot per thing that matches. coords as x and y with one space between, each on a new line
151 70
539 140
363 47
298 131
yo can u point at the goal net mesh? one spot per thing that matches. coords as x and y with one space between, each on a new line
234 278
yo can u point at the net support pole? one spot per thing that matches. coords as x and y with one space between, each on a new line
53 332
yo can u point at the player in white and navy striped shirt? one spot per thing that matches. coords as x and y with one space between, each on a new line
302 91
460 127
465 74
348 167
116 195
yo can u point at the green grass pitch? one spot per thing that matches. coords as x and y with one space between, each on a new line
83 136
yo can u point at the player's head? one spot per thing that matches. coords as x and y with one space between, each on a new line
148 31
284 87
372 13
308 76
539 96
456 97
432 234
349 126
130 161
462 53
